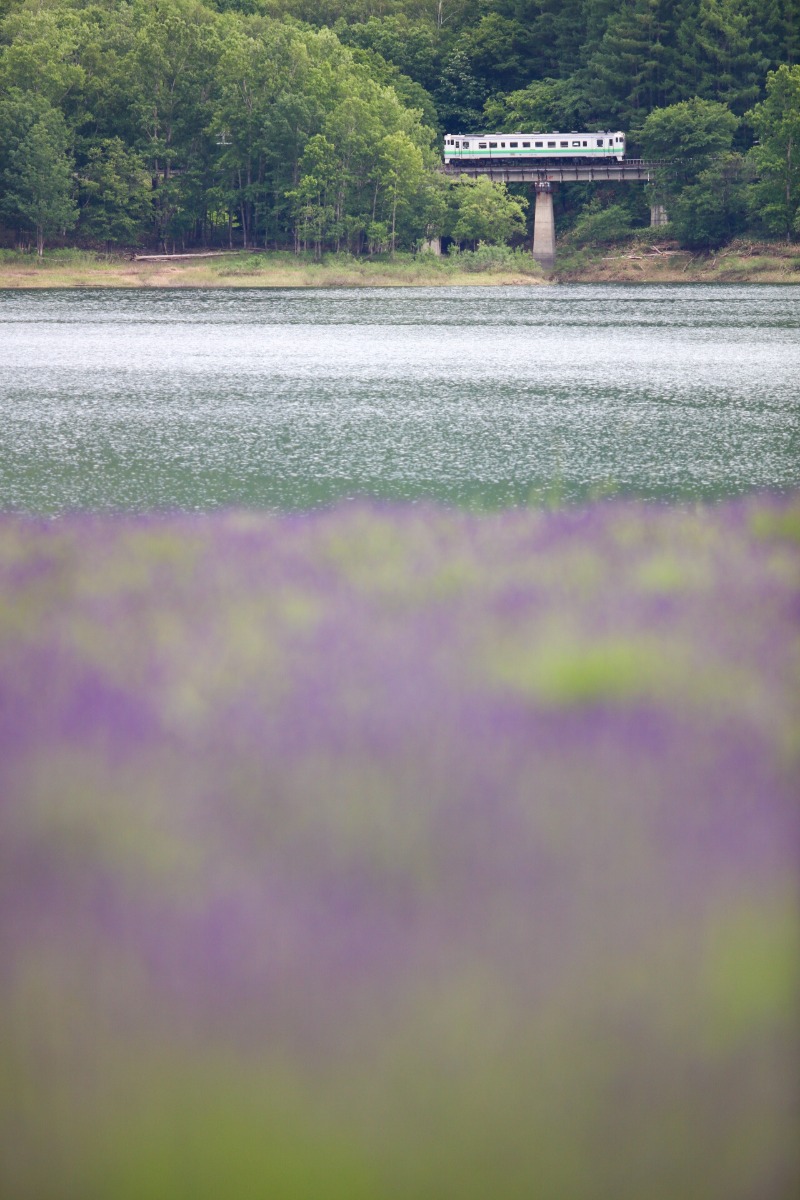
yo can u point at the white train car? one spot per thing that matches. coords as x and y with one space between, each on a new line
481 147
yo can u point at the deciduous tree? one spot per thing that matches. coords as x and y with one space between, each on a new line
37 171
701 181
775 196
487 213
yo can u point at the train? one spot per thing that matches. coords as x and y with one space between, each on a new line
502 147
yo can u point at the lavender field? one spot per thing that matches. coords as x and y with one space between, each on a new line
401 852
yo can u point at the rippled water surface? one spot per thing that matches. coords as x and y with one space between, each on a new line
291 398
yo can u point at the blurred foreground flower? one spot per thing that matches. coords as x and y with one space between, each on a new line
400 853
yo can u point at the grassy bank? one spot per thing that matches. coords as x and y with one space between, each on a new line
662 261
76 268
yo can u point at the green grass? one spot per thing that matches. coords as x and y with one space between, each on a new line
84 268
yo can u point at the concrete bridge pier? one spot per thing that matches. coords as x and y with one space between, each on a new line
658 215
544 226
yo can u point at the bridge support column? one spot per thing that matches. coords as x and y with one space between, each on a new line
658 215
432 246
544 226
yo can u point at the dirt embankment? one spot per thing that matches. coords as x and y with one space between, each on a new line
665 262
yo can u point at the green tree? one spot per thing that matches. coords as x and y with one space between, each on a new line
597 225
485 212
460 95
281 87
628 73
701 181
171 72
40 54
498 50
771 23
37 171
709 212
775 196
544 104
412 45
401 167
433 207
688 135
315 193
410 93
115 193
718 56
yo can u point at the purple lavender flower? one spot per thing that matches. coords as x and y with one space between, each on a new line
400 852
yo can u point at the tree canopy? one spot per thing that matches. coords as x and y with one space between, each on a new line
291 124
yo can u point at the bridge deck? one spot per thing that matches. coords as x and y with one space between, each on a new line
633 170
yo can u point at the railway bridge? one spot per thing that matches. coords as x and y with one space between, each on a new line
545 175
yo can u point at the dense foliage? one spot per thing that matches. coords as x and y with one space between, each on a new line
287 123
378 854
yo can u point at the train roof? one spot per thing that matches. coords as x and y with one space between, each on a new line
541 133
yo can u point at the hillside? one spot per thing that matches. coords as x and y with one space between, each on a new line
176 124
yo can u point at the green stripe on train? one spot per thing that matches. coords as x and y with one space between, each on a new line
527 154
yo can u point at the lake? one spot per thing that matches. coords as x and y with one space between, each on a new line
291 398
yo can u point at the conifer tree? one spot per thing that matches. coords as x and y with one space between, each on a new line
627 73
718 55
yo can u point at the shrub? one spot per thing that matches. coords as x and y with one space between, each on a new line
494 258
603 225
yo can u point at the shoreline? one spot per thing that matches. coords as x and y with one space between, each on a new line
621 264
243 269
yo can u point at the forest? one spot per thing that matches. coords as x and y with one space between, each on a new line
287 124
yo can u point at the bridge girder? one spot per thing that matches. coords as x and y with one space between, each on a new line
633 170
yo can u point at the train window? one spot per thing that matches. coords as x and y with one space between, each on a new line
465 145
538 145
599 141
492 145
564 144
481 145
513 145
586 143
503 145
526 145
576 143
550 145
